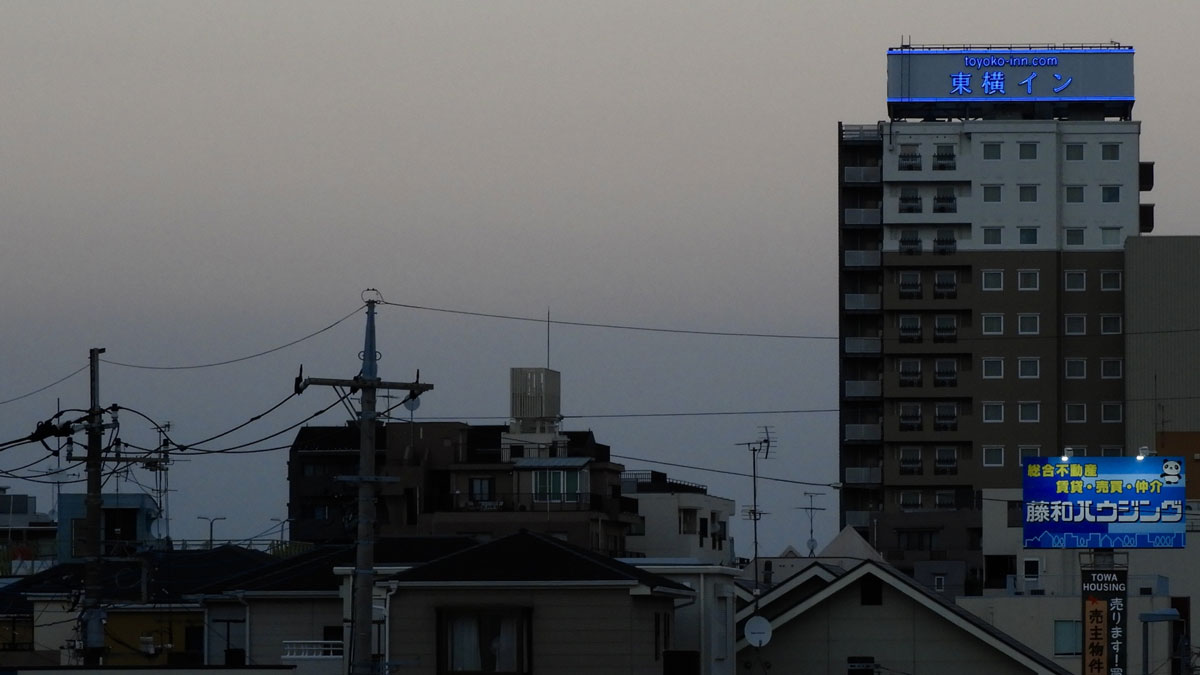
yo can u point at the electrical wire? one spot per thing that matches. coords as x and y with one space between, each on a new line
41 389
237 360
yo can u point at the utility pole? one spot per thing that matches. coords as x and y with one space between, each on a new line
812 511
367 382
93 616
763 446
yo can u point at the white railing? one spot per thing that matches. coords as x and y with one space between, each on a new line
312 649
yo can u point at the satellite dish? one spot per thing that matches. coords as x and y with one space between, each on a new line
757 631
412 404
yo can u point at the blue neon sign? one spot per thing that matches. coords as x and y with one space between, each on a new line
1104 502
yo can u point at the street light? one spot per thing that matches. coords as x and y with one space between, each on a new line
210 520
1147 618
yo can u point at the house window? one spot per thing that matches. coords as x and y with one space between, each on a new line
945 283
1074 194
1073 152
1111 412
944 499
1110 324
1068 638
1075 280
1110 280
910 284
945 416
918 540
1028 324
943 240
910 372
991 151
993 280
943 157
1074 236
910 327
1027 150
1111 369
993 367
1110 236
945 200
945 460
910 200
1027 280
910 241
1112 451
992 236
689 520
491 640
482 489
991 193
1028 451
1027 193
993 324
910 157
1075 324
939 582
993 411
910 460
1075 368
1029 368
910 499
945 372
1076 413
993 455
1110 152
1027 235
556 486
1110 194
945 328
910 416
1029 411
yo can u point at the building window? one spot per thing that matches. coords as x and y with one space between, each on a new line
1111 412
910 460
1027 193
1027 235
910 327
1028 324
993 455
939 582
993 280
944 499
945 461
1112 451
1028 280
945 284
910 200
945 200
1068 638
993 411
556 486
992 236
1028 451
1111 369
943 157
487 640
1075 324
689 521
1075 369
1110 236
910 157
918 540
1075 280
910 417
1074 236
993 367
482 489
993 324
1074 194
910 499
1029 368
991 151
1075 413
1110 152
1074 152
991 193
1110 324
1029 411
943 239
1027 150
1110 194
945 372
1110 280
910 284
910 241
910 372
945 328
945 416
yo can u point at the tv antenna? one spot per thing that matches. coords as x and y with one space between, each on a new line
812 541
756 448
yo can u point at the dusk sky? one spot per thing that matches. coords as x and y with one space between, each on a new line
189 183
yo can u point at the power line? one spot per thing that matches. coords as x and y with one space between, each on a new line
237 360
41 389
790 481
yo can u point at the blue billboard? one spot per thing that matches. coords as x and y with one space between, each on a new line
1104 502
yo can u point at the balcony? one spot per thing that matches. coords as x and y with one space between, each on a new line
910 162
910 291
910 205
861 258
861 174
552 501
313 657
863 388
860 518
863 345
945 379
945 205
863 432
945 290
910 378
945 422
943 162
860 475
863 216
910 246
861 301
944 246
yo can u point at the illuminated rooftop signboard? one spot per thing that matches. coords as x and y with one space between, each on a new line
1104 502
971 77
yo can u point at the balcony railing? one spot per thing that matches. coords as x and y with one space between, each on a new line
867 301
943 162
863 388
861 258
910 205
860 518
910 162
862 174
863 345
945 205
555 501
863 216
312 649
863 432
863 474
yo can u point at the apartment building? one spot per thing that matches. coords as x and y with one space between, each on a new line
982 230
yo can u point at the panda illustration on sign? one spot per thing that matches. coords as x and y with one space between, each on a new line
1170 471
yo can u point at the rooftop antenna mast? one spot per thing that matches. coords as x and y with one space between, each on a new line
756 448
812 541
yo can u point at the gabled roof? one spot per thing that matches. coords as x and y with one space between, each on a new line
850 544
313 570
953 614
529 558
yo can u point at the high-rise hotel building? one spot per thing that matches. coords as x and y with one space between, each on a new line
981 243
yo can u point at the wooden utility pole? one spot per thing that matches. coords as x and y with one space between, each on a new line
367 382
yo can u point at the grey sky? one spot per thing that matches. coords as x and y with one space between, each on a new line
190 182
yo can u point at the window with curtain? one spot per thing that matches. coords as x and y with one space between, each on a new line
492 640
